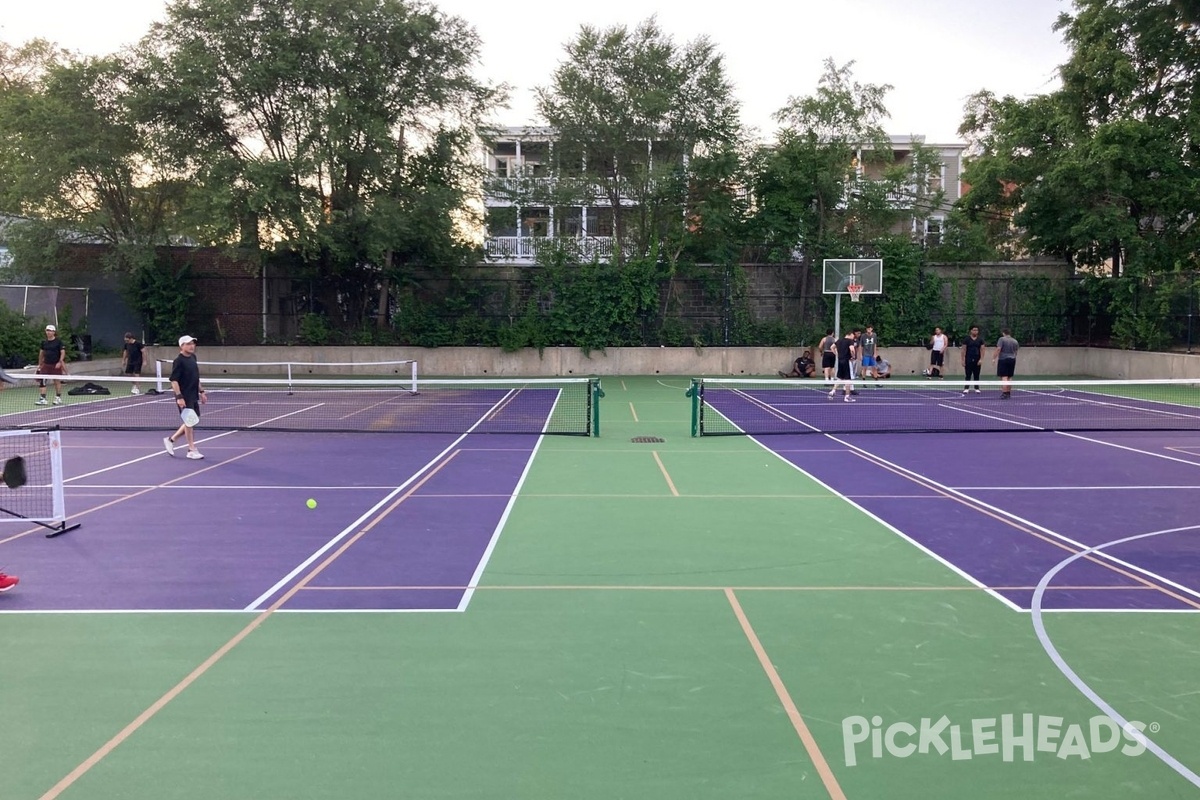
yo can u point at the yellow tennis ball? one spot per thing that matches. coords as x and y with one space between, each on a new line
310 503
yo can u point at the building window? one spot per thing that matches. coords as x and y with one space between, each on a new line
933 232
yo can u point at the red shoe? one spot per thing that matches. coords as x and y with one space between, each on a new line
7 582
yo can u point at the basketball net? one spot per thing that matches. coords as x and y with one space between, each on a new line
855 292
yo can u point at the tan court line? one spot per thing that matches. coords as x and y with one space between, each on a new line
810 744
974 506
663 469
633 411
141 719
123 498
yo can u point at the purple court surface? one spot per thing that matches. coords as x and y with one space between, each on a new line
395 515
1004 509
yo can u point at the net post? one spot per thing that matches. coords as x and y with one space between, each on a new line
289 376
158 376
695 393
414 377
594 395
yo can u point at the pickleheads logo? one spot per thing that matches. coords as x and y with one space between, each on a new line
1009 737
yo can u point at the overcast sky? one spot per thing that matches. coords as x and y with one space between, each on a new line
935 53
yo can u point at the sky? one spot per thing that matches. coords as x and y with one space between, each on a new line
934 53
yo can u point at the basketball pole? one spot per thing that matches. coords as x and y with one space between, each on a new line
837 315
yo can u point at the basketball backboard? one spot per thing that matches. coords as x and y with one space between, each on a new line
840 273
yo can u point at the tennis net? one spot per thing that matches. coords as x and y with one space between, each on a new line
724 406
372 405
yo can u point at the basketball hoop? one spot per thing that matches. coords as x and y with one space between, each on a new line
855 292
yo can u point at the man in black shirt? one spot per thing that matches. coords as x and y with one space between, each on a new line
973 350
185 382
52 360
845 354
131 359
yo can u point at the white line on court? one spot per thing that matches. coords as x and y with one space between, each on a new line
969 578
1070 674
1021 520
491 545
386 499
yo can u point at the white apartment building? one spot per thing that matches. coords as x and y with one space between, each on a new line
532 201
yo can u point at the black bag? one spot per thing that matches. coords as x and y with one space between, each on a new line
89 388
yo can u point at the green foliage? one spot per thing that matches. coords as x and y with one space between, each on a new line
314 329
1038 310
163 293
19 337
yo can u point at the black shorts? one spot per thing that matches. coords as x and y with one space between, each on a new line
937 358
1006 367
843 371
828 361
133 369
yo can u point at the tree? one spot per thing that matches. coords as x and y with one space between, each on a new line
72 155
831 187
1102 172
335 131
629 108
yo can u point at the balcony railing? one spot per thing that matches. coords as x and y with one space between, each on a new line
526 248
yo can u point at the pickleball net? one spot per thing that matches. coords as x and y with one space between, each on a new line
373 405
728 406
41 499
294 369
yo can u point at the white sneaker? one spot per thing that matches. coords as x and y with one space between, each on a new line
831 395
168 445
134 390
966 391
57 400
41 401
195 454
977 391
848 399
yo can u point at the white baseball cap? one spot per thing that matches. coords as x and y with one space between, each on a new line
52 328
185 339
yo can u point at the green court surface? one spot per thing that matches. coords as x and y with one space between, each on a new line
691 618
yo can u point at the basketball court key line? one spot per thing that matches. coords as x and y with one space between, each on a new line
1082 686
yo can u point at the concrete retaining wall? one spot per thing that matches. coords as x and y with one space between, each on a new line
556 361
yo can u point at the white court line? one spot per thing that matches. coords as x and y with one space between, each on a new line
1130 449
386 499
1039 627
491 545
465 600
968 577
1069 488
1001 512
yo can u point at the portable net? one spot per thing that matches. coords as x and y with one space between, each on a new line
293 369
372 405
41 498
722 406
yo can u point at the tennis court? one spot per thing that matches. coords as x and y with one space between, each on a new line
641 614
